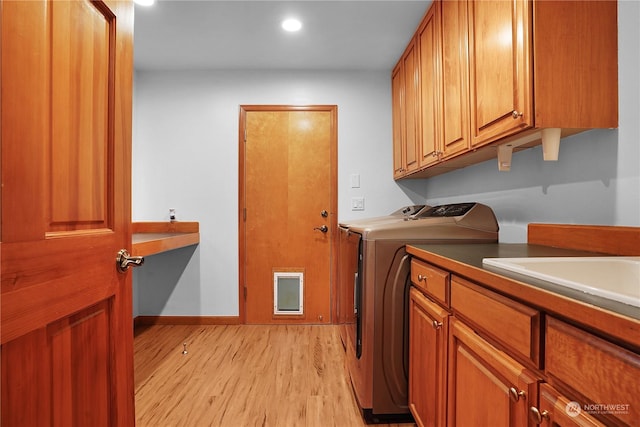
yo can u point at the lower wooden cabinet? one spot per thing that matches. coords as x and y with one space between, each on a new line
558 411
487 312
486 387
479 358
427 360
605 374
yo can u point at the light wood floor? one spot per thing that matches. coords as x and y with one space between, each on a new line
242 376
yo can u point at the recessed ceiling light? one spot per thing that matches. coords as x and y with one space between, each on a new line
144 2
291 25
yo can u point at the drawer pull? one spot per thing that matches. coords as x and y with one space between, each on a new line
436 324
515 395
538 416
422 278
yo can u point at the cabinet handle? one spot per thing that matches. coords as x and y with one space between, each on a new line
515 114
538 416
515 395
436 324
422 278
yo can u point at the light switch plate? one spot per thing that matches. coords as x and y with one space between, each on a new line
355 180
357 203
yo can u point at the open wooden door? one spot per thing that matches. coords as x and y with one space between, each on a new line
66 331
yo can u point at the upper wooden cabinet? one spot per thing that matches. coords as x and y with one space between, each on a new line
428 39
542 64
405 112
435 108
499 68
499 72
455 78
575 58
397 93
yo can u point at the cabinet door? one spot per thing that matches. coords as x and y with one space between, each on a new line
429 45
455 88
397 95
499 68
428 327
600 371
558 411
411 107
486 386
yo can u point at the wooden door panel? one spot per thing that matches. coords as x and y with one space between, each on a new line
81 112
24 71
66 145
288 182
25 378
81 386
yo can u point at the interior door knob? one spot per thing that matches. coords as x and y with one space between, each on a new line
124 261
323 228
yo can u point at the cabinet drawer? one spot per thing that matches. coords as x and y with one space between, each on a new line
606 374
431 280
514 325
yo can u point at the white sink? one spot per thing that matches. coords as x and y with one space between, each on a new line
615 278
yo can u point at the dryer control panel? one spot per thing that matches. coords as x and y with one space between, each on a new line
454 209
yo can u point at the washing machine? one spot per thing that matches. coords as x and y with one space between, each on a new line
374 279
404 213
347 262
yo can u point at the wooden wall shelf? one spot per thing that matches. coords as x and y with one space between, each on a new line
149 238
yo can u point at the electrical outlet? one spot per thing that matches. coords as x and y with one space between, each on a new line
357 203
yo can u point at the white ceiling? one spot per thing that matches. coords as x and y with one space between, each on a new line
214 34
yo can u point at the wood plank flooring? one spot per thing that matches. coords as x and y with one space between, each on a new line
243 376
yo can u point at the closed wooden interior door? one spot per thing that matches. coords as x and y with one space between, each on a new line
66 333
288 207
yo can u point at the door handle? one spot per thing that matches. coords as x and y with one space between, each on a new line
324 213
124 261
323 228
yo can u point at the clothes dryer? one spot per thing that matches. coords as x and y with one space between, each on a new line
375 270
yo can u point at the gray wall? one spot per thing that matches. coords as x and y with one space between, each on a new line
185 156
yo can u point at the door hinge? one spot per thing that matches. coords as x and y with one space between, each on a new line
244 214
245 133
245 293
